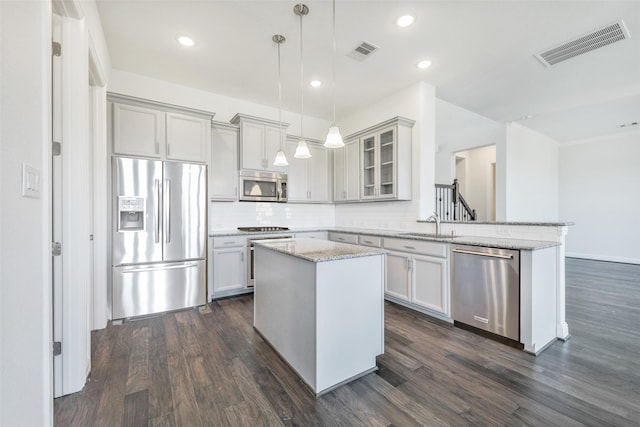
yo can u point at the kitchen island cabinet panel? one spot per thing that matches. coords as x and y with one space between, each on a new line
322 309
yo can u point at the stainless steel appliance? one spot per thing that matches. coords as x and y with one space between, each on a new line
159 236
258 186
485 289
250 249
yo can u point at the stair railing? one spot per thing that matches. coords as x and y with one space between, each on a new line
450 205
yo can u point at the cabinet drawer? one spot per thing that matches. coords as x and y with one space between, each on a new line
343 237
372 241
417 246
229 241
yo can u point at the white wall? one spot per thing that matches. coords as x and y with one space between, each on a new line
224 107
458 129
416 102
25 267
599 191
531 176
478 175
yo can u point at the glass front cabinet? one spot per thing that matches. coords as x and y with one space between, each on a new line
386 161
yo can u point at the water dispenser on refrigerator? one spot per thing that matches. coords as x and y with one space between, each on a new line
131 213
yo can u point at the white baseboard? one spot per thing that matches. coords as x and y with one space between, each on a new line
599 257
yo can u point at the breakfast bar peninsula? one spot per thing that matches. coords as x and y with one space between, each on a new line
320 305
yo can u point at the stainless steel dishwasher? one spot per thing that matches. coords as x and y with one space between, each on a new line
485 289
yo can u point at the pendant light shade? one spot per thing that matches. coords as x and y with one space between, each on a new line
281 159
334 138
302 150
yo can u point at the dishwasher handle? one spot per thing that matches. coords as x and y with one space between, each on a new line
464 251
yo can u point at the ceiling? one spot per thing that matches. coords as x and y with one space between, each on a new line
482 54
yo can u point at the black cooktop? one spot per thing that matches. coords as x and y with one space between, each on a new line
267 228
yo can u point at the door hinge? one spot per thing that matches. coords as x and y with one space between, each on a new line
56 249
56 49
56 148
57 348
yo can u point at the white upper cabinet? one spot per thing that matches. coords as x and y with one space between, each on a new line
223 169
375 163
308 179
151 129
137 131
386 161
187 137
259 142
346 172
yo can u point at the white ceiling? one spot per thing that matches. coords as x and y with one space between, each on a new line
482 54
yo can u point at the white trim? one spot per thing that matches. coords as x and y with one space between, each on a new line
101 313
600 257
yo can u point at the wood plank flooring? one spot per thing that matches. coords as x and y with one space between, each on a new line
210 368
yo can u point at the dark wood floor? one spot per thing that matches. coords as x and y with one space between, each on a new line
211 368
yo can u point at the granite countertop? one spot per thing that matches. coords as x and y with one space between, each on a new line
316 250
490 242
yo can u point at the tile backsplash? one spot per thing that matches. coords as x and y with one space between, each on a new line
229 215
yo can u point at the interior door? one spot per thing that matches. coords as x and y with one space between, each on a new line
184 211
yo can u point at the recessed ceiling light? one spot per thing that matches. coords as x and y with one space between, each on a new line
424 64
404 21
186 41
315 83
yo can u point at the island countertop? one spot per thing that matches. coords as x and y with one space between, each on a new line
317 250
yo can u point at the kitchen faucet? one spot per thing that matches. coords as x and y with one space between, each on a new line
436 219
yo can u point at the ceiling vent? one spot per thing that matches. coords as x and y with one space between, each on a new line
586 43
362 51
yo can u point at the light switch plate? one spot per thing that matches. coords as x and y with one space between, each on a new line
30 181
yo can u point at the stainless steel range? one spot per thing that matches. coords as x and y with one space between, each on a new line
250 242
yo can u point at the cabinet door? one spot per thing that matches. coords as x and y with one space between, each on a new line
318 178
297 174
252 146
370 163
387 166
398 279
352 171
272 146
137 131
223 173
229 269
339 171
187 138
429 277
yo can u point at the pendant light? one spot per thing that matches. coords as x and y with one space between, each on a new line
334 139
281 159
302 150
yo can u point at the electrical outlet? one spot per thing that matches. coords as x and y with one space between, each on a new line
503 231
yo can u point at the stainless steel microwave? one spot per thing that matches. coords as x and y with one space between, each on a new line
260 186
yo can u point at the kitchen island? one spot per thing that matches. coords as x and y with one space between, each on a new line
320 305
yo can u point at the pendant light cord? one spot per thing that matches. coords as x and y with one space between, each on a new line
279 99
301 83
334 62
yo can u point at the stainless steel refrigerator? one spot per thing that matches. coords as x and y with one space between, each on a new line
159 236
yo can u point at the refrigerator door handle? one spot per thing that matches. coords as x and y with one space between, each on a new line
126 270
156 189
167 211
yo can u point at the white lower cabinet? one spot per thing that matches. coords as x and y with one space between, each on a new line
418 278
228 266
398 281
430 285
